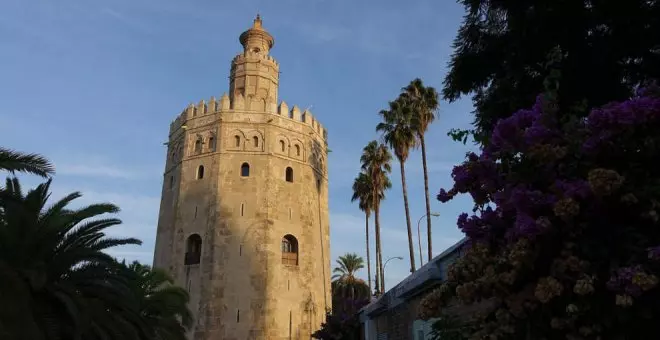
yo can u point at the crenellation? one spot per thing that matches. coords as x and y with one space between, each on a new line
224 102
190 111
201 107
283 109
295 113
212 105
238 103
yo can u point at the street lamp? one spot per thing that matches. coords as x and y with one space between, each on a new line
388 260
419 238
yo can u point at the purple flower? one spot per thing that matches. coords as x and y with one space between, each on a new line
576 189
444 196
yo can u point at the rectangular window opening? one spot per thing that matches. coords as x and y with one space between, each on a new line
242 209
290 213
238 315
195 213
288 284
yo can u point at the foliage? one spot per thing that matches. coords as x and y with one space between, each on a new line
341 326
363 193
399 133
13 161
448 328
52 257
423 102
376 163
162 305
565 241
397 128
347 266
501 47
346 288
56 282
460 135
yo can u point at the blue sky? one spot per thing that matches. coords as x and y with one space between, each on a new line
93 85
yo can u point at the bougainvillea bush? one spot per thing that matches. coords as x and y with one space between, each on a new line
565 232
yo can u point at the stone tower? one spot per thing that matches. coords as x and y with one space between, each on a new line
243 221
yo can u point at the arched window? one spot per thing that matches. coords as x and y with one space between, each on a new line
245 170
198 146
237 141
212 143
255 141
289 250
193 250
200 172
282 146
297 150
289 174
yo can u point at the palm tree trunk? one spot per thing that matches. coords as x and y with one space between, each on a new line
411 247
426 192
366 232
379 250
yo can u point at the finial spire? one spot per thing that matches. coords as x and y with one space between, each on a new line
257 21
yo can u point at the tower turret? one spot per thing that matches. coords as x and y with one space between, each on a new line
254 73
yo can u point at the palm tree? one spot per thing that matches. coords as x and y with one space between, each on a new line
347 266
376 160
346 288
399 135
54 276
362 192
424 103
162 305
14 161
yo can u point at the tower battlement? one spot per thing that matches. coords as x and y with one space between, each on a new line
225 104
251 55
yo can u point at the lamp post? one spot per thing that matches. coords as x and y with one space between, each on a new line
419 238
388 260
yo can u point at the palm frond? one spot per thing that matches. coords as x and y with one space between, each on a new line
14 161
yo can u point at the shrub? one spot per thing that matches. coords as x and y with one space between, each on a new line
564 239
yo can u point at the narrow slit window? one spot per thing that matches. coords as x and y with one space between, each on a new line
200 172
171 182
290 213
289 174
238 315
245 170
198 146
297 150
193 250
237 141
242 209
195 212
282 146
255 141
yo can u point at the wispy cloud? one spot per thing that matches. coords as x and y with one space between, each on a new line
129 21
